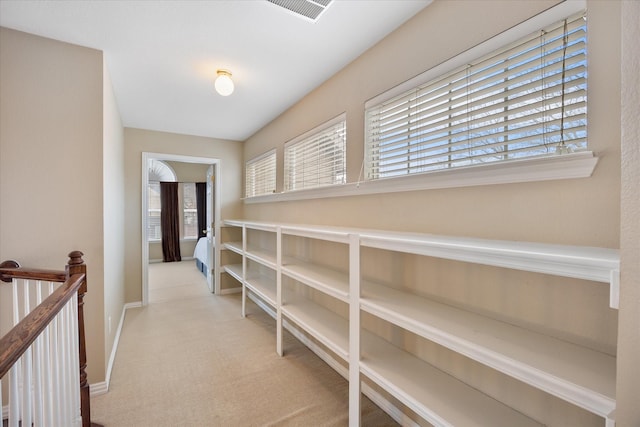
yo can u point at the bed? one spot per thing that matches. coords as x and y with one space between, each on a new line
200 255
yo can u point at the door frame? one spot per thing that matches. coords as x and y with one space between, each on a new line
146 157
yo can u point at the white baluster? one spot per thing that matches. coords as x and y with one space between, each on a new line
44 383
27 364
38 412
55 372
64 374
47 371
14 372
68 374
75 352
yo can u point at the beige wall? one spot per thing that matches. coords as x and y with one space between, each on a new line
113 146
628 389
138 141
189 172
51 164
575 212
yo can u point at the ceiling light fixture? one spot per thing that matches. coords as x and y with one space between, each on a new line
224 84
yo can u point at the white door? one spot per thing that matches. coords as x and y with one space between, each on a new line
210 225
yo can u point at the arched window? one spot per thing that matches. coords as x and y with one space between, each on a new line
158 171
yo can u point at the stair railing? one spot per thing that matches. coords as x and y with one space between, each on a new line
43 357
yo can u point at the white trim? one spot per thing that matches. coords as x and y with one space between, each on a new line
614 290
261 171
96 389
116 340
261 156
305 167
531 25
321 127
566 166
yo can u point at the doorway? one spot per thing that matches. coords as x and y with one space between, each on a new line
213 216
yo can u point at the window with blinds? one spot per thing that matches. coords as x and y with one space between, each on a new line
317 158
260 175
528 99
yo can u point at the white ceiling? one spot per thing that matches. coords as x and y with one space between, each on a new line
162 56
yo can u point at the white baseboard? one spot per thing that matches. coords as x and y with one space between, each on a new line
103 387
384 404
160 260
96 389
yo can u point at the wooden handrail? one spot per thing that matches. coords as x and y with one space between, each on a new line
18 339
6 274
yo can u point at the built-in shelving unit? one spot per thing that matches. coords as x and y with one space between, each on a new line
434 395
281 266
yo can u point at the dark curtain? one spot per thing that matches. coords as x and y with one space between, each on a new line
201 206
169 221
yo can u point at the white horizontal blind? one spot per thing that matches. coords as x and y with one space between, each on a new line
189 224
260 175
153 219
525 100
317 159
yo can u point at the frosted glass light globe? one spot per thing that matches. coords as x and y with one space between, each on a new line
224 84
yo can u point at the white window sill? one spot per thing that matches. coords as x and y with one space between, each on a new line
567 166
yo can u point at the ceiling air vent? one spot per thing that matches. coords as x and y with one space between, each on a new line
307 9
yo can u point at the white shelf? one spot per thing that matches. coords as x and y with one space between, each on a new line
254 225
597 264
434 395
324 325
234 270
234 247
330 234
260 284
263 286
233 223
331 282
262 256
579 375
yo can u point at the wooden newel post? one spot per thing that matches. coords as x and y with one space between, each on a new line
76 265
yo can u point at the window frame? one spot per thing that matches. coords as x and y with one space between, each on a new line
464 115
309 141
270 157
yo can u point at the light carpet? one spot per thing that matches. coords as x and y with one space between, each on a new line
190 359
170 281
